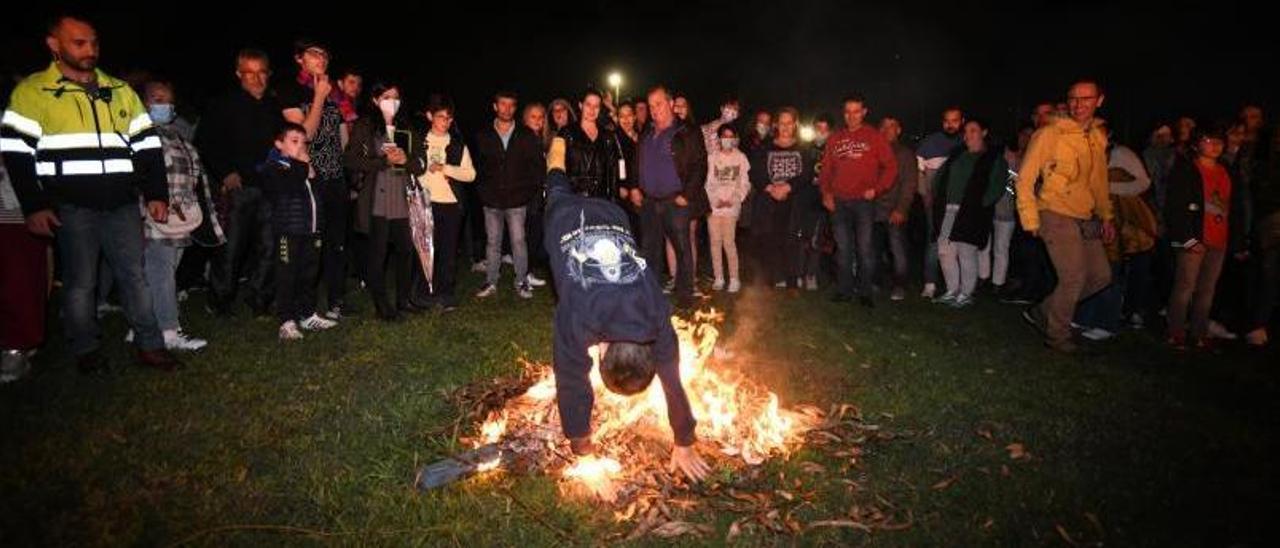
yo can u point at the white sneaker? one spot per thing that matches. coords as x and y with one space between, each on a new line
1097 334
718 285
535 281
1136 321
318 323
108 308
14 364
506 259
811 283
128 336
780 285
961 301
289 331
487 291
734 286
524 291
182 296
479 266
1219 331
947 299
175 339
929 291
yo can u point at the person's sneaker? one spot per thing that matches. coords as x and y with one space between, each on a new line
866 302
1034 318
535 281
734 286
811 283
1256 338
317 323
108 308
1177 342
339 311
128 336
961 301
1097 334
718 285
175 339
929 291
780 285
479 266
182 296
1015 297
1065 347
14 364
524 291
898 294
947 299
487 291
1136 321
289 331
668 287
1219 331
506 259
158 359
93 362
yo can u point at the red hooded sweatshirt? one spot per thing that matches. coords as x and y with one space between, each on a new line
856 161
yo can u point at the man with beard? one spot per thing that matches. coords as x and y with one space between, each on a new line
80 149
932 153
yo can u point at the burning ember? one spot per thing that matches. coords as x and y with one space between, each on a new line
742 419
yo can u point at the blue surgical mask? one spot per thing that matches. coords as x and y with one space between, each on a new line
161 113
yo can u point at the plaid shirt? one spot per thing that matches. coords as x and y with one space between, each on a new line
183 171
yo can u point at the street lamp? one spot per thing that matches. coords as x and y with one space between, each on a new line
615 82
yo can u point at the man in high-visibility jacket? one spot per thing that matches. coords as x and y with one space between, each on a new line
80 148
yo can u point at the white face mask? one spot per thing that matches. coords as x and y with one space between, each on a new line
389 107
728 114
763 130
728 143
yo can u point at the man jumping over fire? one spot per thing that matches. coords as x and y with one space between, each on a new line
611 300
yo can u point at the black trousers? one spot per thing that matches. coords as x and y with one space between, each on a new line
448 220
250 247
297 265
390 244
336 210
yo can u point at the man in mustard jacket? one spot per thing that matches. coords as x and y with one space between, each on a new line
1064 198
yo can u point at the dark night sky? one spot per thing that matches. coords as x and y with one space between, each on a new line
909 58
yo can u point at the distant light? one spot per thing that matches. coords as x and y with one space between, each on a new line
807 133
615 79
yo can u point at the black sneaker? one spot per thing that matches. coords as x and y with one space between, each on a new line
1034 318
92 363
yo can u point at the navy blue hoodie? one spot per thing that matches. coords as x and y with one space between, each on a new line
607 293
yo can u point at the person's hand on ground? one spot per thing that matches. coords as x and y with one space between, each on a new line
687 461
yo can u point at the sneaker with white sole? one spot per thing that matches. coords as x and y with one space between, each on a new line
898 294
947 299
487 291
1097 334
534 281
506 259
929 291
128 336
1219 331
289 331
1136 321
317 323
735 285
811 283
780 285
717 285
14 364
175 339
479 266
524 291
961 301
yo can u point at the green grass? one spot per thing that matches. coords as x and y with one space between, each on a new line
261 443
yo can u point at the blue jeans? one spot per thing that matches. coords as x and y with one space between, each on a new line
160 266
84 236
514 219
1129 280
855 219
